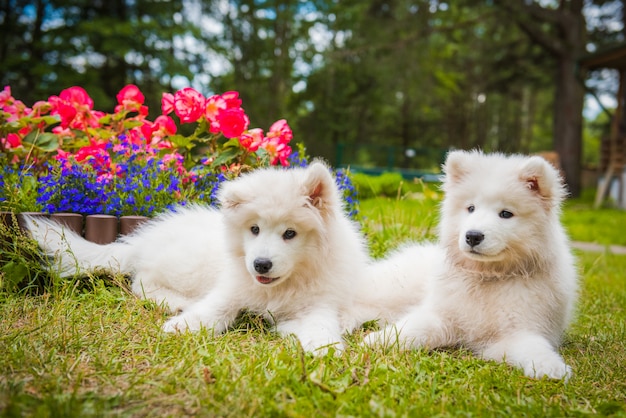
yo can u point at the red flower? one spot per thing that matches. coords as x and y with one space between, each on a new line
189 105
233 122
130 98
74 106
77 97
232 99
12 141
66 111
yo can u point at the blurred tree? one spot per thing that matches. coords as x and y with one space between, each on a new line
400 73
561 31
268 48
415 74
49 45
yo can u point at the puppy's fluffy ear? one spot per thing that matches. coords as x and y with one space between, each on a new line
457 165
542 178
319 187
231 195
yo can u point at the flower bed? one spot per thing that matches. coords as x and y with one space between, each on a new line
62 155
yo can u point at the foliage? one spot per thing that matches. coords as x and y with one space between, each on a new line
90 348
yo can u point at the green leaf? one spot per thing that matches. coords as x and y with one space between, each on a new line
181 141
105 120
226 157
13 127
233 142
46 141
48 120
129 124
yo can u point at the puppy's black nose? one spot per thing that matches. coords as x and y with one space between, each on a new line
473 238
262 265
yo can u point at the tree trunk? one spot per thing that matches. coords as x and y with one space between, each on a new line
566 43
568 119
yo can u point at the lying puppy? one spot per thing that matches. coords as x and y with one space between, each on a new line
502 280
281 246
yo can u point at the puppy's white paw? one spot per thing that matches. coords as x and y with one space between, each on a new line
182 323
550 369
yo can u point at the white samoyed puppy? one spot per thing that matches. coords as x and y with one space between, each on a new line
501 281
281 245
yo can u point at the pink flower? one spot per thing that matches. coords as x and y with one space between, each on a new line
213 106
9 104
41 108
280 129
252 139
189 105
63 132
5 96
155 132
167 103
166 125
277 150
130 98
233 122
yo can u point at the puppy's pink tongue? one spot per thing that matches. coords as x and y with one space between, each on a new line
264 280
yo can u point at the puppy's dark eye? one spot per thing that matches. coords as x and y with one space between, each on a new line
289 234
255 230
505 214
470 208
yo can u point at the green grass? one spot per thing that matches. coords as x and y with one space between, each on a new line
603 226
89 348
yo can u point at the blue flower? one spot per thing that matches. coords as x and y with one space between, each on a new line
344 182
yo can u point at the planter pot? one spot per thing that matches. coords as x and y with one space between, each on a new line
101 229
73 221
129 223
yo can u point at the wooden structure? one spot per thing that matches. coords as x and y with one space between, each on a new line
613 147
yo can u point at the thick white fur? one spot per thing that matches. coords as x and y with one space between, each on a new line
202 261
508 298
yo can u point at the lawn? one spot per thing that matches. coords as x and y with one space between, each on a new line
88 348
